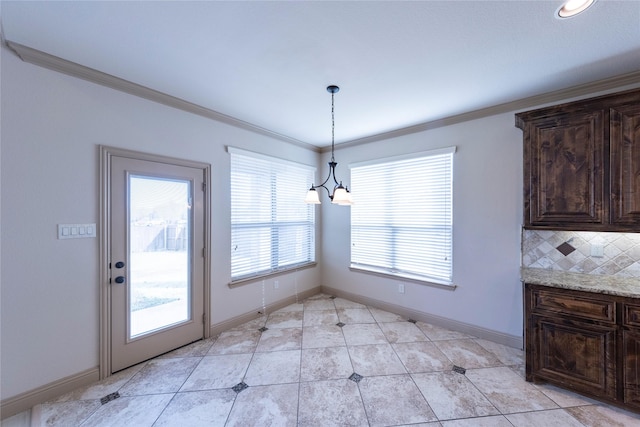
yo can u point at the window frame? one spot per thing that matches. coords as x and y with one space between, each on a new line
378 270
276 266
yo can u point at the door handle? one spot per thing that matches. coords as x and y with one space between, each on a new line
120 279
119 264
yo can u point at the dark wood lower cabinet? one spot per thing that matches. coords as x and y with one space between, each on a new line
585 342
576 355
631 349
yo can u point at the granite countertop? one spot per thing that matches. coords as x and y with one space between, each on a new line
612 285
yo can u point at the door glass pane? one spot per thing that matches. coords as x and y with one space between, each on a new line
160 230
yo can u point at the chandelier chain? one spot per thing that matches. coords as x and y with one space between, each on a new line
333 127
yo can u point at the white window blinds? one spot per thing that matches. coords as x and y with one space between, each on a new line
401 222
272 229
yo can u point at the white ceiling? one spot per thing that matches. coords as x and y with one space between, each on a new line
398 63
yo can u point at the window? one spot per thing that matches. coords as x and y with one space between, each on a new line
401 222
272 229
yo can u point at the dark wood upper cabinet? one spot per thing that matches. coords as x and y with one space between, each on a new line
625 165
582 164
565 169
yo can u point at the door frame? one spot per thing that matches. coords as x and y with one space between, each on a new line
106 155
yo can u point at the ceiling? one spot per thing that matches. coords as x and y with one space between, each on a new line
398 63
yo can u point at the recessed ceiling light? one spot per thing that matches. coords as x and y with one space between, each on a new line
573 7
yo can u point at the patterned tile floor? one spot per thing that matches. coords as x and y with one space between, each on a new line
376 369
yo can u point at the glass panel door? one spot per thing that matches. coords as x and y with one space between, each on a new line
157 258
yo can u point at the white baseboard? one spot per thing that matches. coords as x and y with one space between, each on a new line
21 402
477 331
217 328
27 400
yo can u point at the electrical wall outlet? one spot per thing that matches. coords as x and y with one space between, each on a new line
597 250
401 288
276 284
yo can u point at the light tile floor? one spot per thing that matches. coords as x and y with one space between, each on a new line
373 369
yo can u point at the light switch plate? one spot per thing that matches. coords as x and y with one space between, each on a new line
76 231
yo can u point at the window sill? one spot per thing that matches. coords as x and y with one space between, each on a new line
404 278
251 279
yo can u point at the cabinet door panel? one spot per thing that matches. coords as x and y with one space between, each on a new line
625 165
631 315
566 169
631 346
580 356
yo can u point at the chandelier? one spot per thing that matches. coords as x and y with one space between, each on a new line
340 194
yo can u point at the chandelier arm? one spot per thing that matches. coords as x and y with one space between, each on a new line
328 192
334 178
331 173
326 180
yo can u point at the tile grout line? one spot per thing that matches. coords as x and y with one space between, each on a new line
512 368
181 385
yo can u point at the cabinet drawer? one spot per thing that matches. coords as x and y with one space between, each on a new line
573 305
631 315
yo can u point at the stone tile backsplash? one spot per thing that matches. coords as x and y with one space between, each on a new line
612 254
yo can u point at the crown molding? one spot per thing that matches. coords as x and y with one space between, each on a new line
55 63
58 64
587 89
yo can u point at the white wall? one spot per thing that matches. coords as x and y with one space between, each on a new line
487 221
486 235
52 125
